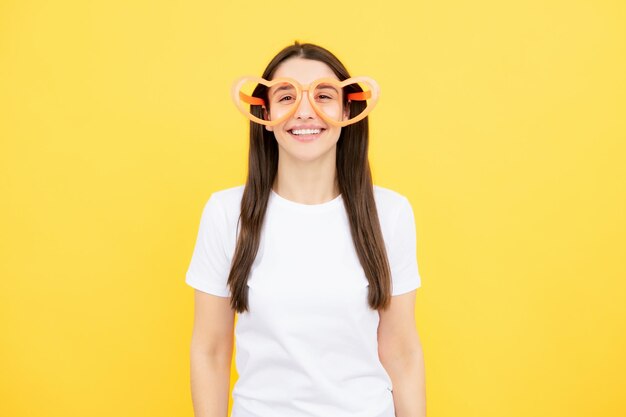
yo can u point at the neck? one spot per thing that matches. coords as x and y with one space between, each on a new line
307 182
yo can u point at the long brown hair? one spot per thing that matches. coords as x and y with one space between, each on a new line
355 185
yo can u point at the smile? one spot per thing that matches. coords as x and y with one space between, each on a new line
306 134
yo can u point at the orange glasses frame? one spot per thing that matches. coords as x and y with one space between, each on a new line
240 97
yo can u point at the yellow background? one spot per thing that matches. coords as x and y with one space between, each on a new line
503 122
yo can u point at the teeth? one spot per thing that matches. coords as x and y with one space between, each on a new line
306 131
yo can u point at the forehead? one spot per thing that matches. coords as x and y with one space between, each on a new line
305 71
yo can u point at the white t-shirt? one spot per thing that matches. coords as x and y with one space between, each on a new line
308 346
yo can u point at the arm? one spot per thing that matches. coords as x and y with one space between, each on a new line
400 352
211 354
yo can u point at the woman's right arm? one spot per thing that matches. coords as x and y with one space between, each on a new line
211 354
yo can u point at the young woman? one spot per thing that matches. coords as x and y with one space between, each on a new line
319 263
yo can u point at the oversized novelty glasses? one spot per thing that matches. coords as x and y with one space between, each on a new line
325 95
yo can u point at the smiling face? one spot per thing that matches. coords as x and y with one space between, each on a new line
305 135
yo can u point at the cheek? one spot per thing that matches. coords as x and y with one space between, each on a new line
277 112
334 110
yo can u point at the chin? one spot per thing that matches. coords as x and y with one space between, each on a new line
305 155
305 151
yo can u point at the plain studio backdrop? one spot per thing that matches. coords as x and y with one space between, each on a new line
502 122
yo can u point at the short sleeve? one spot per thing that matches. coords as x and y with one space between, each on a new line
402 251
209 267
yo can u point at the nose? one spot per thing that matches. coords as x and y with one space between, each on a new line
305 110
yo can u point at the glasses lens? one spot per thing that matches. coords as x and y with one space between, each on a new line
282 95
348 104
248 97
327 97
361 97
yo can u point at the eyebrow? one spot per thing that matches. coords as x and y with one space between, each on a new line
328 87
281 88
289 87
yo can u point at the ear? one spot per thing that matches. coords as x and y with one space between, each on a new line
346 111
266 116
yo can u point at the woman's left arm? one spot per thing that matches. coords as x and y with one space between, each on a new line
400 352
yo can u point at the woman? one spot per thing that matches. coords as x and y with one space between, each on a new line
319 263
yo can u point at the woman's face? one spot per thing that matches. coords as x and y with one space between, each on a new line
305 135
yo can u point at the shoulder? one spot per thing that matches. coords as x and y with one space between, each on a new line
387 194
394 211
228 199
221 214
389 202
224 206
